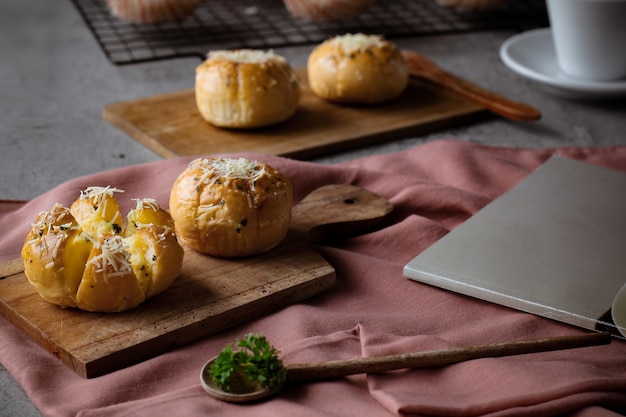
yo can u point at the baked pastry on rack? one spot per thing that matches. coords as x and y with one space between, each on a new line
472 4
358 69
246 88
152 11
328 9
231 207
86 257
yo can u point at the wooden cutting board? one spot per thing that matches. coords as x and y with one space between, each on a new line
171 126
209 295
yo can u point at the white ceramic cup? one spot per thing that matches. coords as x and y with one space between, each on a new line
589 37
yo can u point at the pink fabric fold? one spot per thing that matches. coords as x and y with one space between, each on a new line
372 310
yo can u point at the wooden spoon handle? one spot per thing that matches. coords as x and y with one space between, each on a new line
334 369
421 66
500 105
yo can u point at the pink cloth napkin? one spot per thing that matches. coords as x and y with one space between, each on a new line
372 310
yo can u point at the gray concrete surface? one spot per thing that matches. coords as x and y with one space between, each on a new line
54 82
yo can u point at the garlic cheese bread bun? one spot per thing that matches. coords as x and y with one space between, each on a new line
357 69
88 257
229 207
246 88
152 11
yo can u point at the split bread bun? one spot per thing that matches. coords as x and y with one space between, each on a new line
231 207
85 257
246 88
357 69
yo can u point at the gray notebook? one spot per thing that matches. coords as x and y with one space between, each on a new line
554 245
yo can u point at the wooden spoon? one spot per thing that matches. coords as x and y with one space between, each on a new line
422 67
335 369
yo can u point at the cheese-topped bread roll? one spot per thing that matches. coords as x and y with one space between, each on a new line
152 11
229 207
357 68
87 257
327 9
246 89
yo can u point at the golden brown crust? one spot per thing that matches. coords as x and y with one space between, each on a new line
359 69
246 89
109 285
243 213
85 257
97 211
156 258
45 255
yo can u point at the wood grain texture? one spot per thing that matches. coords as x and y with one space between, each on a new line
422 67
171 125
209 295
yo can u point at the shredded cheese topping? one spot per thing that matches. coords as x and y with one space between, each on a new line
97 193
227 168
143 203
90 238
99 196
245 56
50 223
223 170
357 42
162 237
114 255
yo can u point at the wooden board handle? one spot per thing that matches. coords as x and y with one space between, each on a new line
339 210
334 369
12 267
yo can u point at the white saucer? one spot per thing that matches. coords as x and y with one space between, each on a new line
618 310
531 55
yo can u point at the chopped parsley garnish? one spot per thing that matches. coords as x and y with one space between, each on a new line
252 359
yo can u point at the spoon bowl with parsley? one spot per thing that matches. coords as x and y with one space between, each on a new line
247 370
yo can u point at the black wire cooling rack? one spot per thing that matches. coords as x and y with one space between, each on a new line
268 24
